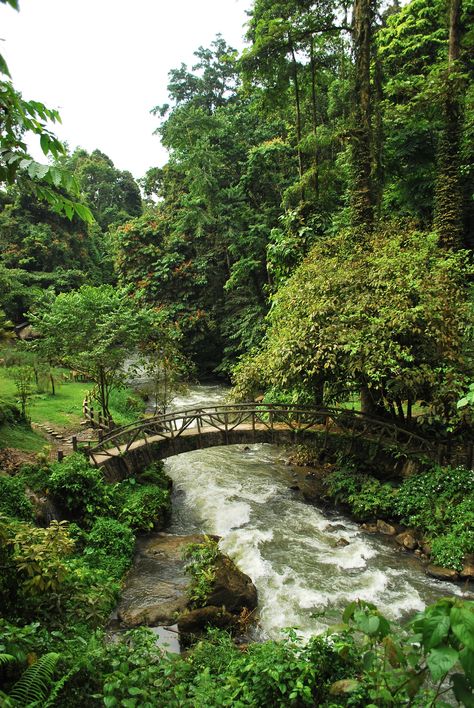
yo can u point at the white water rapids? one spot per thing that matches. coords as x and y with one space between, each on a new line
288 547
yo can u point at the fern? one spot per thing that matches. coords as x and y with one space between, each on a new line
58 687
33 685
6 659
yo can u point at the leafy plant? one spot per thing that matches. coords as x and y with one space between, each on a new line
13 500
142 506
34 685
80 488
39 555
109 545
201 559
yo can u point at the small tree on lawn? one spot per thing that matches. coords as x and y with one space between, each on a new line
92 330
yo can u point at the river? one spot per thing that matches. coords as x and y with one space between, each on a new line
287 546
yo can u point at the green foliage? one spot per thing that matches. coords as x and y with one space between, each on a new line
366 497
80 488
34 685
437 499
112 195
396 325
9 413
13 500
109 545
155 474
397 668
200 565
40 554
92 330
142 507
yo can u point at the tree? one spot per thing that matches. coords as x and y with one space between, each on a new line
394 326
163 366
112 195
448 198
92 330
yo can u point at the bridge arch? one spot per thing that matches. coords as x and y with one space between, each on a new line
131 448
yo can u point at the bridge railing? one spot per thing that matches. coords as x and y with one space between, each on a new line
227 417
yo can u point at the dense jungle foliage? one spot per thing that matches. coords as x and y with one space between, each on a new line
338 144
310 238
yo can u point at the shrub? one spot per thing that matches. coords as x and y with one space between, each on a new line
109 546
449 550
142 506
373 500
155 474
126 402
428 500
201 566
9 413
13 500
80 488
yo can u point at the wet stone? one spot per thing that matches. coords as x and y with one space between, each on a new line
440 573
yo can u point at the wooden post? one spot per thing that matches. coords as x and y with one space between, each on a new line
198 425
100 434
60 455
100 419
74 443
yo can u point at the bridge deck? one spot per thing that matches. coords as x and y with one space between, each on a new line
164 437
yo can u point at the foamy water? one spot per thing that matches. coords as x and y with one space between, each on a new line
288 547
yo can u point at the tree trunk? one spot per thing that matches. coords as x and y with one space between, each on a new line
448 218
362 192
296 84
367 403
315 119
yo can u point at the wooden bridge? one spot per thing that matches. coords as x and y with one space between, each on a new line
131 447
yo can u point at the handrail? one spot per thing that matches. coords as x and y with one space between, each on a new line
228 417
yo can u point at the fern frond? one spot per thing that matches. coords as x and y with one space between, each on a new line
33 686
6 659
58 687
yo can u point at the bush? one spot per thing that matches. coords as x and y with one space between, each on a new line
13 500
109 546
428 500
201 566
80 489
155 474
449 550
9 413
142 506
126 402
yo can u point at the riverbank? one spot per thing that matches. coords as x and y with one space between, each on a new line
427 512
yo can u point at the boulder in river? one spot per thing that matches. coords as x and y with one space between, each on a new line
407 539
195 621
436 571
232 588
385 528
467 573
156 586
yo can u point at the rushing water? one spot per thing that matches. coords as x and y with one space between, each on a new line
288 547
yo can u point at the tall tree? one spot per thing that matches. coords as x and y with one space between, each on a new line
362 192
448 220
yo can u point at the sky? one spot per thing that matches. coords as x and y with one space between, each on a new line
104 64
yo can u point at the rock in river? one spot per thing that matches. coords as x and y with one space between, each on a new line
155 588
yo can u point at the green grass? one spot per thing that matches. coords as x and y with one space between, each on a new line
21 437
64 409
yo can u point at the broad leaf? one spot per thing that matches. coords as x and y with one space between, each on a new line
440 661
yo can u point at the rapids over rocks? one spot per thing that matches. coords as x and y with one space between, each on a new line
289 547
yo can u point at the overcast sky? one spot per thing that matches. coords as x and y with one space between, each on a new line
104 64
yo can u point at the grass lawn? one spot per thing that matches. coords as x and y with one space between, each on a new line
63 411
21 437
